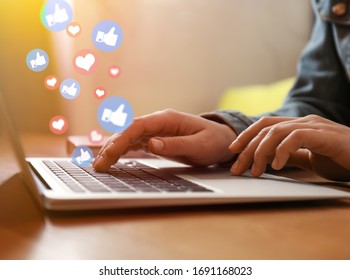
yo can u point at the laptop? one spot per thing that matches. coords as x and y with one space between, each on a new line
60 185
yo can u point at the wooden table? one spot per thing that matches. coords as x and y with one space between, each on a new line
298 230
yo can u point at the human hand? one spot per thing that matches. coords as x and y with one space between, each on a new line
311 142
180 136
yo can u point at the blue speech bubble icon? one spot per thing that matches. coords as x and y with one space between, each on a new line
107 36
56 15
82 156
70 89
115 114
37 60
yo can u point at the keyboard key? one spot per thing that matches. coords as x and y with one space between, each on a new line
130 177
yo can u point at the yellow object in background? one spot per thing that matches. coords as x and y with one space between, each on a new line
256 99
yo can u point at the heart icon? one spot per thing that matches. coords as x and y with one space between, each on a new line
51 82
114 71
85 62
74 29
100 92
95 136
58 125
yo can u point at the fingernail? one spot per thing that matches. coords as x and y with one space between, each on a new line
254 170
234 168
233 145
157 144
275 164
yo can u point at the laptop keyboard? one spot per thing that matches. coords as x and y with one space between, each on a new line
126 177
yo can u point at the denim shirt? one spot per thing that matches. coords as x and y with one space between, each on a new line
322 85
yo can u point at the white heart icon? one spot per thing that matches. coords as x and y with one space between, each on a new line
51 82
114 71
58 125
95 136
74 29
100 92
85 62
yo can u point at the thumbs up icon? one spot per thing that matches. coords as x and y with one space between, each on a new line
71 90
59 16
109 38
38 61
84 157
115 114
117 117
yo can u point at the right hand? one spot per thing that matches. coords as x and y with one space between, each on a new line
179 136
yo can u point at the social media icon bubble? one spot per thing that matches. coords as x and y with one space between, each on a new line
70 89
85 62
107 36
37 60
56 15
100 93
115 114
51 82
58 125
82 156
95 136
73 29
114 71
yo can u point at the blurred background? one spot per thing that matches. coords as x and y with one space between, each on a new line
180 54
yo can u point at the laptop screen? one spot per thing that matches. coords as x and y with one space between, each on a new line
10 138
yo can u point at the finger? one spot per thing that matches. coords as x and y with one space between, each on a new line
260 151
300 159
309 139
247 135
176 146
156 124
116 146
265 151
246 157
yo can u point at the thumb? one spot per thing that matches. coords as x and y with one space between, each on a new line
171 146
120 109
111 31
72 86
38 55
81 152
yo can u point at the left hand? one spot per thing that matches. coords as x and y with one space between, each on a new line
310 142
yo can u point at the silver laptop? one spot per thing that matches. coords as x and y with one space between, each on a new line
58 184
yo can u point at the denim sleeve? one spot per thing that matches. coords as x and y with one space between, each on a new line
322 86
